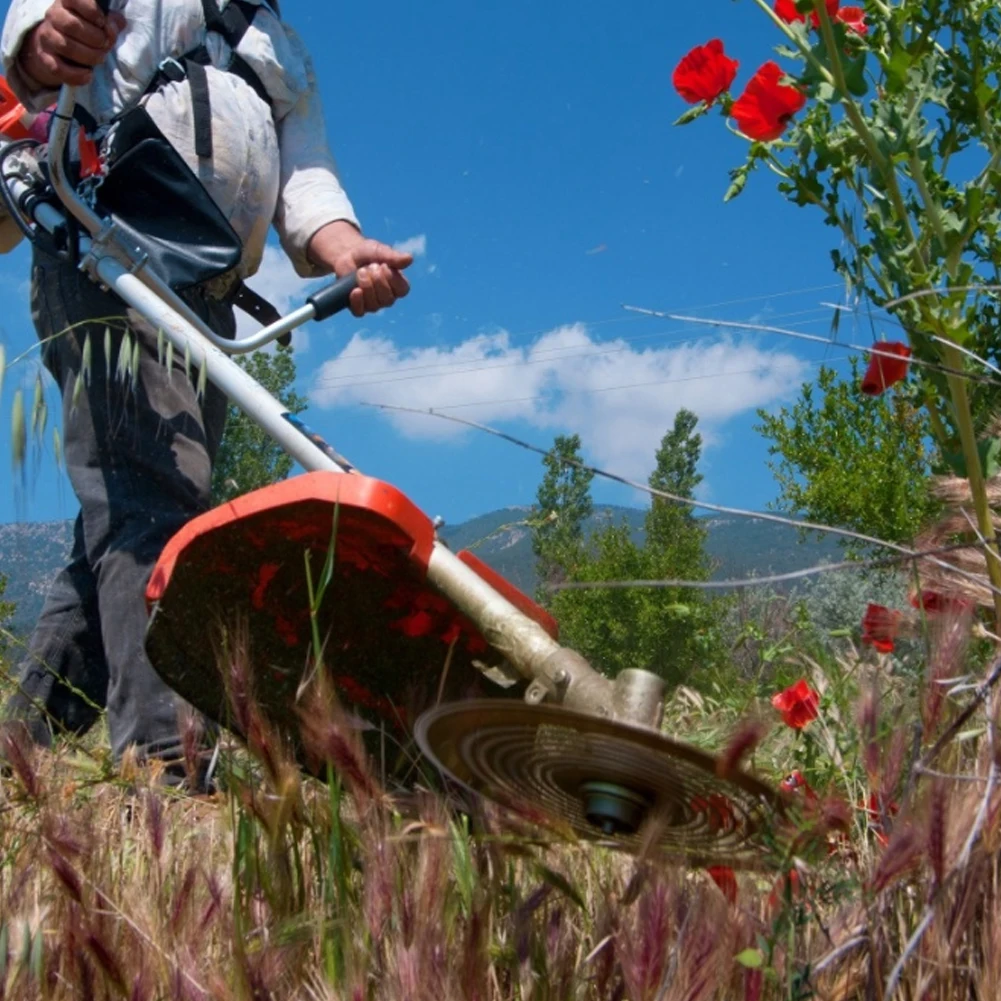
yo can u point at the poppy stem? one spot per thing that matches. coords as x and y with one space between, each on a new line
804 49
974 472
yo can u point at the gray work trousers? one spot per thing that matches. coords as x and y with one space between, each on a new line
139 457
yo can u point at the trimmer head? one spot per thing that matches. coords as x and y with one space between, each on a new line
626 786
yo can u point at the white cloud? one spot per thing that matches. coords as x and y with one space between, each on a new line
620 399
416 245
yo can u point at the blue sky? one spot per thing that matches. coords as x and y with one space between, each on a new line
525 151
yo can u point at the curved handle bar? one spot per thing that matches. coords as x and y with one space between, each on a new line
334 297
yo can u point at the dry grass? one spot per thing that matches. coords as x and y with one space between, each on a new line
285 887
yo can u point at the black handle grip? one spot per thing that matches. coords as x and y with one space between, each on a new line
105 6
333 298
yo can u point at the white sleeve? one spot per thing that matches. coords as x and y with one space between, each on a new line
310 194
22 16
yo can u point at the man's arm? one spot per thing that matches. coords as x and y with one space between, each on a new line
48 43
315 219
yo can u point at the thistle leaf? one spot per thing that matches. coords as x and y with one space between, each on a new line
107 348
57 447
170 361
136 361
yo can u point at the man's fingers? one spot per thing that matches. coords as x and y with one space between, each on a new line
398 283
383 290
88 10
74 52
373 252
73 27
356 302
64 72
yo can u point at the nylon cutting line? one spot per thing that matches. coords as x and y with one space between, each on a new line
780 578
619 319
813 338
445 370
613 389
846 533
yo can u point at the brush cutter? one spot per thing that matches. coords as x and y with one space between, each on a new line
337 561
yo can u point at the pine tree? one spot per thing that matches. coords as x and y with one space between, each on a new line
563 505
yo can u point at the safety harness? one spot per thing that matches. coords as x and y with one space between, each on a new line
232 24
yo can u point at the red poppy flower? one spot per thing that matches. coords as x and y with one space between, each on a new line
794 783
726 879
786 9
704 73
766 107
935 603
798 704
876 809
880 626
888 363
853 18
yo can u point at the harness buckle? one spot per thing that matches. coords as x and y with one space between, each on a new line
173 69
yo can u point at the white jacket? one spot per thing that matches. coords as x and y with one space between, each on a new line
265 169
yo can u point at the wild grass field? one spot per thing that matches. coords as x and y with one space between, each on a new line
282 886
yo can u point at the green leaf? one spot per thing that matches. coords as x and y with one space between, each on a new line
897 67
753 959
990 457
37 952
4 951
855 76
989 450
738 181
693 113
561 883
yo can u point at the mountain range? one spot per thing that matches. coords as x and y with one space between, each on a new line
31 553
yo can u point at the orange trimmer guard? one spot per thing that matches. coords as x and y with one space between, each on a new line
230 603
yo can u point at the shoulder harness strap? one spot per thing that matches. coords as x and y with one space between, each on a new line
232 24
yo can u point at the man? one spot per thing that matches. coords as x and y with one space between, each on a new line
139 457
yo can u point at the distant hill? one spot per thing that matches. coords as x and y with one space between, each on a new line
31 554
740 547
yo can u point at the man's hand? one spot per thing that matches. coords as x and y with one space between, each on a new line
341 248
74 37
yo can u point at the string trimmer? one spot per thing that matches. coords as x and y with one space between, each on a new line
402 618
